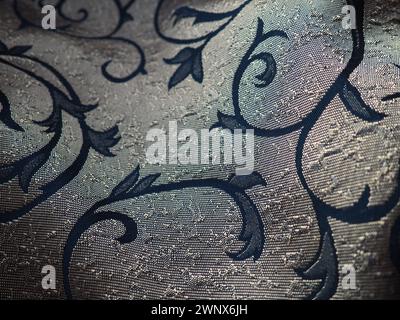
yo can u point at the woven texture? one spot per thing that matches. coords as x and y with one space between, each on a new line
78 102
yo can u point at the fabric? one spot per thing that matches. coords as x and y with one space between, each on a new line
77 192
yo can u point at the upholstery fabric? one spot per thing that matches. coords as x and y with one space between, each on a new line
77 193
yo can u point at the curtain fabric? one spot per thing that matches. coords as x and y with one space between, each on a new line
319 216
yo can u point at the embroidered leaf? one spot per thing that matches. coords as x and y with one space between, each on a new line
356 213
190 63
227 121
325 269
127 183
391 96
19 50
182 56
197 68
252 231
126 16
276 33
249 181
53 122
144 183
353 101
75 109
394 95
200 16
3 47
102 141
5 114
31 165
180 74
7 173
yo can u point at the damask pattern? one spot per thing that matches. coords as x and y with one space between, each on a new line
252 232
124 17
64 99
189 60
325 264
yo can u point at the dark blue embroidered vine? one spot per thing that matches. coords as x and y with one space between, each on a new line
325 265
394 95
124 16
190 59
70 103
131 187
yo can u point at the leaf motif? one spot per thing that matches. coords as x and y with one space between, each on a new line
276 33
53 122
31 165
325 269
182 56
180 74
200 16
197 67
127 183
19 50
75 109
3 47
353 101
102 141
126 16
252 231
7 173
394 95
190 60
391 96
227 121
356 213
247 182
5 114
143 184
